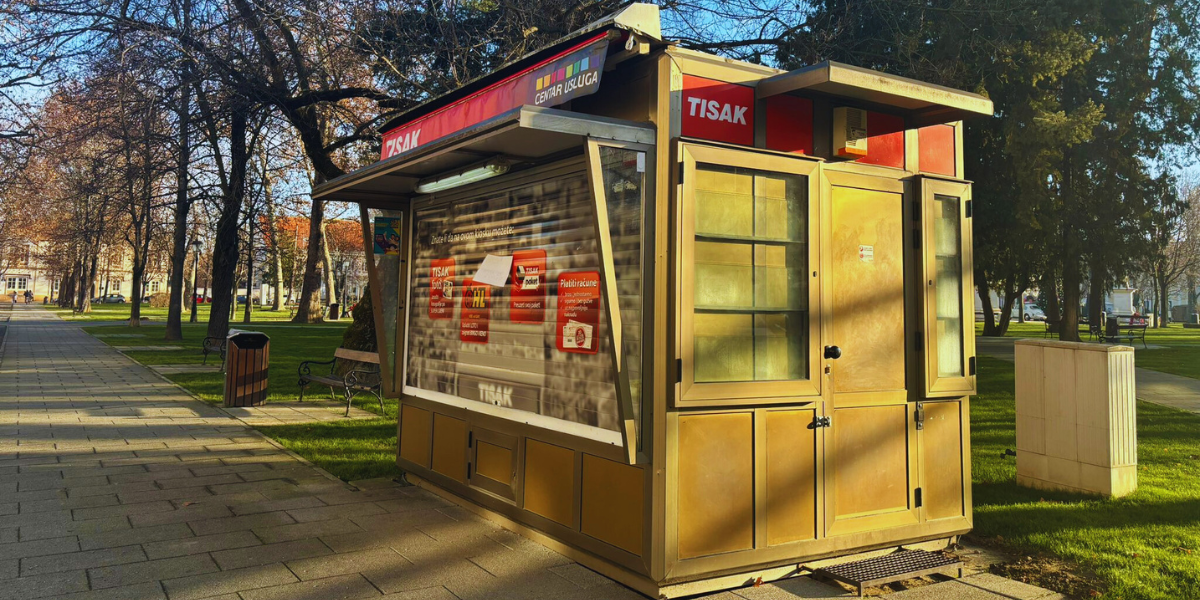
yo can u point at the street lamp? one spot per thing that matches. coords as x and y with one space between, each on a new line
196 245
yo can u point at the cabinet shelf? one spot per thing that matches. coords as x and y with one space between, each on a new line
745 239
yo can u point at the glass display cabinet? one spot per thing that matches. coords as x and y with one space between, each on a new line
650 307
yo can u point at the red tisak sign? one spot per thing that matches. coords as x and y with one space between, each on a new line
528 296
441 288
570 74
719 111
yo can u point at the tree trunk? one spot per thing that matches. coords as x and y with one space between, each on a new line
85 291
1049 286
135 289
249 269
985 298
1164 311
225 254
1096 300
1007 308
330 280
1069 329
309 309
276 254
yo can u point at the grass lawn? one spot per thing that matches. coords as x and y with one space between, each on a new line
1180 357
351 450
1144 546
120 312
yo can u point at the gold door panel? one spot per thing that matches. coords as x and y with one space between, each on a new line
942 437
716 483
791 476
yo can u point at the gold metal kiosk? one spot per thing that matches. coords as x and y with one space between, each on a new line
687 320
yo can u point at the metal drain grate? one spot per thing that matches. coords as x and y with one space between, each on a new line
897 566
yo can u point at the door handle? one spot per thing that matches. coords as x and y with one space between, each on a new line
833 352
819 422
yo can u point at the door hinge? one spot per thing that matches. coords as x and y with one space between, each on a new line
971 365
918 501
470 439
916 211
919 342
468 470
919 415
681 171
679 370
916 239
969 208
819 422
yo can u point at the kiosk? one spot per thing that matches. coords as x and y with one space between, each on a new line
690 321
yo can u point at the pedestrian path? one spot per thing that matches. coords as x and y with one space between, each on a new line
116 484
1161 388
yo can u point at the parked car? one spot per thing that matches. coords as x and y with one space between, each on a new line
112 299
1033 313
241 299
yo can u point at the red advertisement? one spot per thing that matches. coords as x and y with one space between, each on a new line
570 74
476 312
528 295
578 322
441 288
715 110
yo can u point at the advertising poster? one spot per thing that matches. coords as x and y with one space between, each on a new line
387 235
476 312
578 312
441 288
528 304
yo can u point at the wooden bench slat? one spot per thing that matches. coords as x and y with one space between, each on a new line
357 355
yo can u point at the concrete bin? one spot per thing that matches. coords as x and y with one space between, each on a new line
1076 417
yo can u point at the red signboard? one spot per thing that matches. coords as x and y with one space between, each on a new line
577 327
441 288
528 297
936 150
570 74
476 312
790 124
715 110
885 140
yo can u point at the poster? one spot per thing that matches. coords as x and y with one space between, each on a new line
441 288
578 320
387 236
528 296
476 312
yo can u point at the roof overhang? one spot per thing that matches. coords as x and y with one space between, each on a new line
527 132
918 102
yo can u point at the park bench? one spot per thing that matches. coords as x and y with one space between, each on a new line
350 371
1136 329
213 345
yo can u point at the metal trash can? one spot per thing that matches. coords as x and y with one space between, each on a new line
247 356
335 311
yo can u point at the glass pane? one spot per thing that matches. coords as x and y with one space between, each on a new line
750 289
387 229
624 196
948 287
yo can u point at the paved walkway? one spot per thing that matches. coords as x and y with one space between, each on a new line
116 485
1166 389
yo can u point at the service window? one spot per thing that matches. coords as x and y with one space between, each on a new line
948 312
748 280
507 313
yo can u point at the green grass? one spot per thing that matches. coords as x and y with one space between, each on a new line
120 312
1180 357
351 450
1144 546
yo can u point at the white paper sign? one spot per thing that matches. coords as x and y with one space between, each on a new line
494 270
641 162
866 253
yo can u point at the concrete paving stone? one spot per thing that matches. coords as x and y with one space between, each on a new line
60 483
348 562
254 522
23 520
508 562
422 501
195 512
456 531
141 591
151 570
228 469
118 489
9 508
373 495
226 500
455 575
250 508
141 508
55 563
38 548
792 588
345 587
432 593
15 496
580 575
8 536
410 542
1004 586
262 487
956 590
340 511
284 533
187 493
300 473
178 471
211 480
56 529
200 544
41 586
270 553
9 568
89 470
534 584
67 503
227 582
139 535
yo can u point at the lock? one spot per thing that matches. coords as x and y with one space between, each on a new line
832 352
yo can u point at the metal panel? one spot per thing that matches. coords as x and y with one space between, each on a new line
716 483
449 447
942 453
550 481
791 477
612 502
416 427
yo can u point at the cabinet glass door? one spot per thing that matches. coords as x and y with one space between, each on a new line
949 323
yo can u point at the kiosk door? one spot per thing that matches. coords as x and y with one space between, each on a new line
870 446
